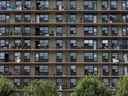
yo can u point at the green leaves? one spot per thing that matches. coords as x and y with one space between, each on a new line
91 86
6 87
122 87
41 88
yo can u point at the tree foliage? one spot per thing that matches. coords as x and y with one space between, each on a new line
91 86
6 87
41 88
122 87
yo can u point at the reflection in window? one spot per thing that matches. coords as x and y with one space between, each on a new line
104 5
90 70
113 5
90 5
73 57
72 5
90 31
72 18
59 69
89 57
72 83
124 4
90 18
59 57
72 69
42 5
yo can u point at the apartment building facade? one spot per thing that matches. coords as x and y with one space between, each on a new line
63 40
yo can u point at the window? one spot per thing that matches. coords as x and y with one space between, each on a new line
113 5
17 57
72 69
43 69
125 18
73 57
42 44
59 44
27 18
124 44
17 70
90 5
18 18
26 70
4 18
90 44
27 5
42 5
26 44
115 44
90 18
18 5
59 57
4 44
72 83
73 44
59 31
72 30
72 5
125 70
2 69
105 31
105 57
59 70
72 18
9 6
2 30
104 5
89 57
105 44
43 18
125 57
124 4
90 31
59 18
2 56
17 44
3 5
27 31
125 30
105 70
105 18
44 31
113 18
59 5
115 57
114 31
43 57
18 31
60 83
90 70
27 57
114 82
